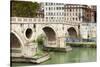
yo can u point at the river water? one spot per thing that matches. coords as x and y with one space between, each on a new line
77 55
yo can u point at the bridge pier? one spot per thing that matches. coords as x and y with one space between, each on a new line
58 45
30 49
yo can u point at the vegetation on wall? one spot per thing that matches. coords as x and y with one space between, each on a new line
24 9
40 40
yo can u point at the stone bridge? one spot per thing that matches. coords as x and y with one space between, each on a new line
25 31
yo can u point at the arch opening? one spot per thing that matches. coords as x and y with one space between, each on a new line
15 44
14 41
50 33
28 33
72 32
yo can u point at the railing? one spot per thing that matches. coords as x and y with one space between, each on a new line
25 20
39 20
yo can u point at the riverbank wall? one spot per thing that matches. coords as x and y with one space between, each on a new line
82 44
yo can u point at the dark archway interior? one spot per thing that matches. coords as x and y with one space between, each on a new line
28 33
14 41
50 33
72 32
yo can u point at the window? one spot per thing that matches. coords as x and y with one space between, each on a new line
79 14
64 14
76 14
57 14
59 18
46 13
54 8
46 17
56 3
70 10
49 13
67 18
70 14
76 19
73 10
60 14
49 8
67 14
51 17
53 13
46 8
67 9
62 8
51 3
79 18
57 8
76 10
73 18
73 14
46 4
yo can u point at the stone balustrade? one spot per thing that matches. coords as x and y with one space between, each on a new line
17 20
26 20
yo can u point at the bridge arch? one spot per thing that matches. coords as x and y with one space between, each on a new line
72 32
50 33
15 41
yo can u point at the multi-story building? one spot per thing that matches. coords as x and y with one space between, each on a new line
88 30
84 15
93 13
68 12
73 13
77 13
53 11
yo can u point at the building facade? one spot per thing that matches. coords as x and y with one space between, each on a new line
85 16
93 13
77 13
53 11
88 30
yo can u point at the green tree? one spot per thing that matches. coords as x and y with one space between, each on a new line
24 9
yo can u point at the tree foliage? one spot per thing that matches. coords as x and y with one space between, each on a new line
24 9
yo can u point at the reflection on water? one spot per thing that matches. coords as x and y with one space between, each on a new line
74 56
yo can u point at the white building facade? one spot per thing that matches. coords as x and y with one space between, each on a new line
53 11
88 30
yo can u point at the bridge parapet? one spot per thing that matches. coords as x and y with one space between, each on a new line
26 20
40 20
33 20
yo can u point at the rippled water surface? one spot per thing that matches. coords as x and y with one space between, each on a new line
77 55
